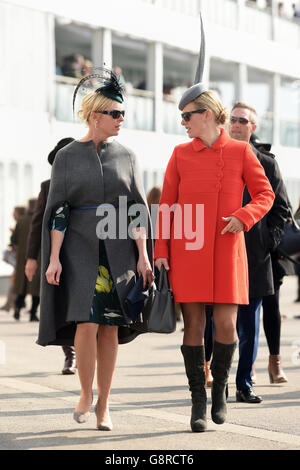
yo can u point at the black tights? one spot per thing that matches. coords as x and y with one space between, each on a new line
208 335
272 321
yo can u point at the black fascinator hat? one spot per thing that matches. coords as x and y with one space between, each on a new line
100 80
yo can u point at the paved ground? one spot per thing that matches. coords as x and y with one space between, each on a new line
150 404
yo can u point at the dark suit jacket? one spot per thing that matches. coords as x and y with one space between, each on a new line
264 237
35 234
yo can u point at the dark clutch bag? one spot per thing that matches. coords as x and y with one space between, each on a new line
135 300
159 314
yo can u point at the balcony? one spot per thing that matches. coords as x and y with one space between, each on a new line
139 105
245 16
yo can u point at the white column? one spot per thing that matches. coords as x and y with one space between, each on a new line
276 109
241 83
102 48
155 81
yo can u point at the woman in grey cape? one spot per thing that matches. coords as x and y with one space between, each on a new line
87 271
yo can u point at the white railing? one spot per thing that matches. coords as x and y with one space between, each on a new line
64 89
139 105
221 12
186 7
287 32
248 17
258 22
172 118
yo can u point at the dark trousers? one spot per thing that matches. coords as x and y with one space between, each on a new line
248 319
20 302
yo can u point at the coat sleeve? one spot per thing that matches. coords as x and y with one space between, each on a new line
279 212
35 234
139 196
169 197
14 239
57 197
259 189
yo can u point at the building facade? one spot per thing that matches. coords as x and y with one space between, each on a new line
252 55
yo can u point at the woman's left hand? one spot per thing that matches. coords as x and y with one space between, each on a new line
234 225
144 269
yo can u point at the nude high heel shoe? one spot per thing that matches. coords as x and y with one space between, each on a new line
80 417
104 425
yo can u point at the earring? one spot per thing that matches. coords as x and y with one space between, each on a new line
96 124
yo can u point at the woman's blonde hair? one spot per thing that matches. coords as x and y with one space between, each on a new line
93 102
210 100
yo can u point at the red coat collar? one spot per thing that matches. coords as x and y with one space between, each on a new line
222 140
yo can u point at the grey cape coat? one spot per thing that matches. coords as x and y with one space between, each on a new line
84 177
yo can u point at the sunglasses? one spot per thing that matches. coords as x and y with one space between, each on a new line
115 113
187 116
241 120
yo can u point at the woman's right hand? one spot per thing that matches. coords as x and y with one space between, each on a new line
53 272
162 261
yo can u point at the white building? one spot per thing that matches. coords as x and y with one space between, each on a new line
253 55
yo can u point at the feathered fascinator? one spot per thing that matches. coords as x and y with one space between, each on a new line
99 80
198 88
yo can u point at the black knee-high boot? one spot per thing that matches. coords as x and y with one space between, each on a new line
194 358
220 368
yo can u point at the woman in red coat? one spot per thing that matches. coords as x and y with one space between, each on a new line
205 252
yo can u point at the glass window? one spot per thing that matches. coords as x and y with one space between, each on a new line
130 59
289 110
73 48
179 72
73 44
131 56
258 94
223 77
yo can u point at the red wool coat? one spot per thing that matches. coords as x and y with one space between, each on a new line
213 268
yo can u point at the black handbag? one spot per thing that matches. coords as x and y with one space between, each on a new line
159 314
290 241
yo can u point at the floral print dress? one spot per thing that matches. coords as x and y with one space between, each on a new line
106 309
